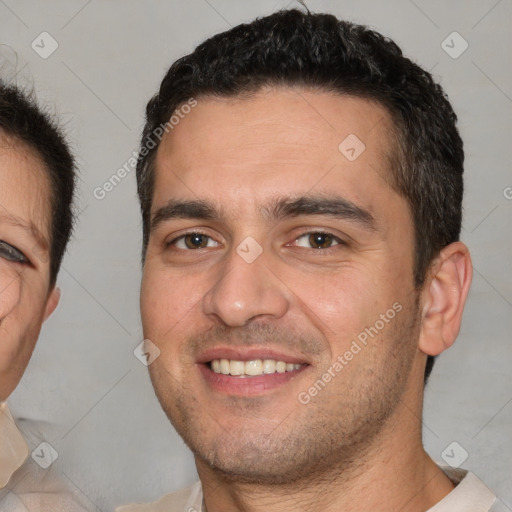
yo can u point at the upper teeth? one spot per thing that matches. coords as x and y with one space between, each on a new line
254 367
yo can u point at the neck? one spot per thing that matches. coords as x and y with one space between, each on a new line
392 473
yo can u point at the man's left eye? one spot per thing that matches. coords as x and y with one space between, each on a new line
318 240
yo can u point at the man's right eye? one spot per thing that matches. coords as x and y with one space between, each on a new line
193 241
10 253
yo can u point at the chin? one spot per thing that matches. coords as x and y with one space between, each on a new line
263 471
267 460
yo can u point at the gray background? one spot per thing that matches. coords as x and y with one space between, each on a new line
114 442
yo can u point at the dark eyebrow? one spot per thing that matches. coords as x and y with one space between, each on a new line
332 206
195 209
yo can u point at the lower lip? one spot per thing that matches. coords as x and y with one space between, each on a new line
246 385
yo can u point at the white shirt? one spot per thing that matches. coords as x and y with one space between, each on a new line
469 495
24 485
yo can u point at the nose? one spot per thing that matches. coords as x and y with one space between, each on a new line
246 290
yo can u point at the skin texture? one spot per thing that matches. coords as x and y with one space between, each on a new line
364 428
25 298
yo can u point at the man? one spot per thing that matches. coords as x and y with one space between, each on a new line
301 185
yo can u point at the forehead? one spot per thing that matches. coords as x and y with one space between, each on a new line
24 189
280 140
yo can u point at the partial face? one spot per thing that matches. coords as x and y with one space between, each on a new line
25 300
278 284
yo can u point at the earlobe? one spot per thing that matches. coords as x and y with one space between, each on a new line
52 302
443 298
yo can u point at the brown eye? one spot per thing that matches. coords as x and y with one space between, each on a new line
317 240
193 241
196 241
320 240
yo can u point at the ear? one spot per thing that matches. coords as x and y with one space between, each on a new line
443 298
52 301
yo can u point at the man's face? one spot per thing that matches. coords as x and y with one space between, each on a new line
271 244
25 299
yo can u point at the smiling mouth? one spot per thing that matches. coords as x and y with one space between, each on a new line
253 368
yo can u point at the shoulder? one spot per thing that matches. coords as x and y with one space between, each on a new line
184 500
470 493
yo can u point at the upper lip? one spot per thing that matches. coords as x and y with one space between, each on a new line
247 354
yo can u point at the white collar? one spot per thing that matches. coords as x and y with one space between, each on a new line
13 447
470 493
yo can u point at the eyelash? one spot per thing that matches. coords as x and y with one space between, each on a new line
10 253
336 239
182 237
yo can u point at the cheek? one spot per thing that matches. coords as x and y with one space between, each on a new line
169 312
167 300
344 303
22 303
10 335
339 302
21 313
10 289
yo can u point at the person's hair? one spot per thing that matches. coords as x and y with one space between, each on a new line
292 48
22 120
